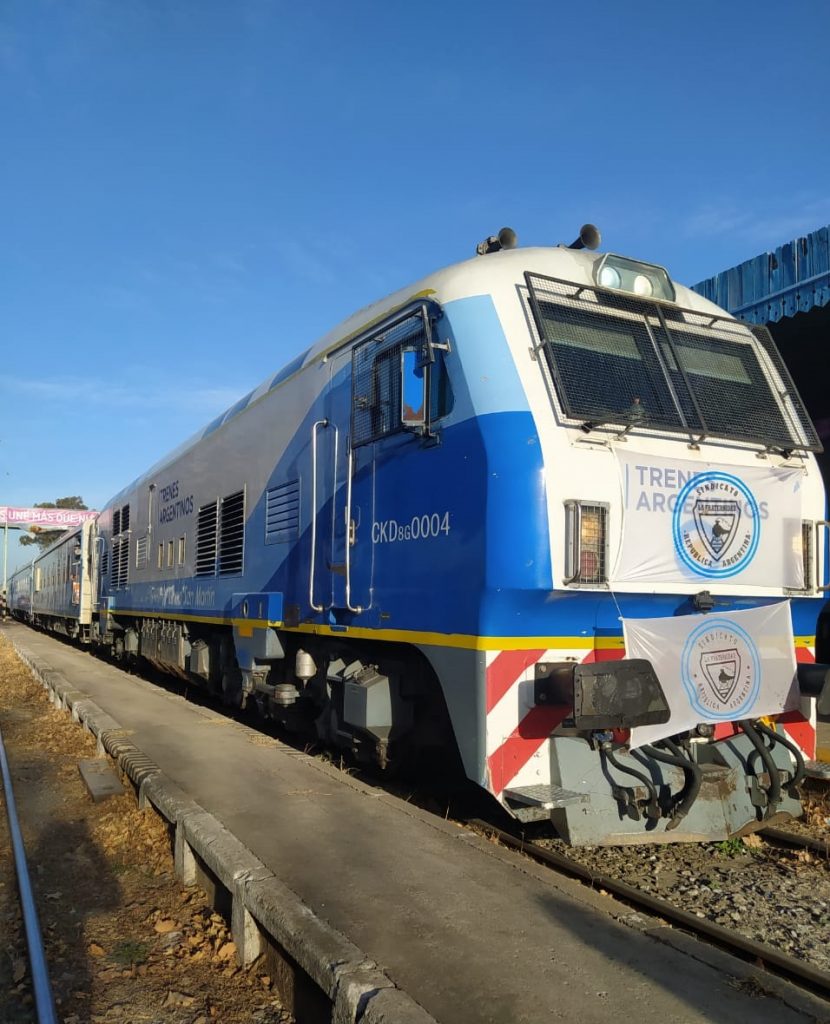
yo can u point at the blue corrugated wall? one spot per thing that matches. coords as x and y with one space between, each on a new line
793 279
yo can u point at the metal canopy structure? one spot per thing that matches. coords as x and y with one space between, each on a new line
788 289
795 278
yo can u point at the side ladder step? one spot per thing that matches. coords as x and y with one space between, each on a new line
545 797
818 770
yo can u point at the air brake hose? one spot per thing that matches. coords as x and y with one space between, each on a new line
652 807
786 742
774 791
692 774
689 793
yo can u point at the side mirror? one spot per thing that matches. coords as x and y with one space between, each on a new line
413 389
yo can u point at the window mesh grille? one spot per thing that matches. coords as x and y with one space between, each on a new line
788 392
231 534
282 513
625 360
206 540
376 378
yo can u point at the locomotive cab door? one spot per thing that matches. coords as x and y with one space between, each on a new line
377 400
350 564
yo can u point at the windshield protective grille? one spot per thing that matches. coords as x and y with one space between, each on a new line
622 359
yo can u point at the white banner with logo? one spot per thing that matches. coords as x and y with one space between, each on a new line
718 667
689 521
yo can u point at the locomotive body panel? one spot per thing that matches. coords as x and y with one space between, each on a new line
311 521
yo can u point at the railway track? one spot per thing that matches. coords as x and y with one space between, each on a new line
41 986
797 839
761 954
808 976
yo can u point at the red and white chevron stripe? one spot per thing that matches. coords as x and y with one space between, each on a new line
518 732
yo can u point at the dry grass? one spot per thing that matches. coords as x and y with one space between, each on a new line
123 940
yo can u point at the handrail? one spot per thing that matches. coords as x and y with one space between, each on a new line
44 1001
348 514
820 587
319 424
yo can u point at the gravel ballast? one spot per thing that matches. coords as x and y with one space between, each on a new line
773 895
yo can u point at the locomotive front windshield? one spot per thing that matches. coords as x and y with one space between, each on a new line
621 360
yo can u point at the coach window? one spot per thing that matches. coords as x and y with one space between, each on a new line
170 554
161 556
181 550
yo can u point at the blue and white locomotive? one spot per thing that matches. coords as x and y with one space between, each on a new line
526 508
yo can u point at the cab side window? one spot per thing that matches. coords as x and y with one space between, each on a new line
399 381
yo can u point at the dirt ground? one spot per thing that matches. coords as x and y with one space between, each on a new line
124 941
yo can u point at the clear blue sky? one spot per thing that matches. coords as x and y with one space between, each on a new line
194 190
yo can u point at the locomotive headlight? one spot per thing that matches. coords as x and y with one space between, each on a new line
608 277
644 279
586 540
642 285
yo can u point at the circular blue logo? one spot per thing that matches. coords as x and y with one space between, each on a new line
720 670
716 525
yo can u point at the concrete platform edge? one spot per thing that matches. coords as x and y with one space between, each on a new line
359 990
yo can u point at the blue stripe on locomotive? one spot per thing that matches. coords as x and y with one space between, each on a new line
490 573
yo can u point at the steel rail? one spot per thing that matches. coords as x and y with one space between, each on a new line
780 835
44 1001
757 952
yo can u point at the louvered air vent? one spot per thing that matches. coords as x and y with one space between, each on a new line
231 534
206 540
282 513
142 548
124 562
120 562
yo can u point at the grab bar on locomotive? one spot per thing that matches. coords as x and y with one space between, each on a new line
320 424
348 526
822 588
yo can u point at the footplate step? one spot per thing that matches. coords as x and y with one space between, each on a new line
817 770
545 797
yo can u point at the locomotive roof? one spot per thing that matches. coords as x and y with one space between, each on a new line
476 276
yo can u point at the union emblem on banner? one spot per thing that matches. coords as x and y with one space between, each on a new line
689 521
717 668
